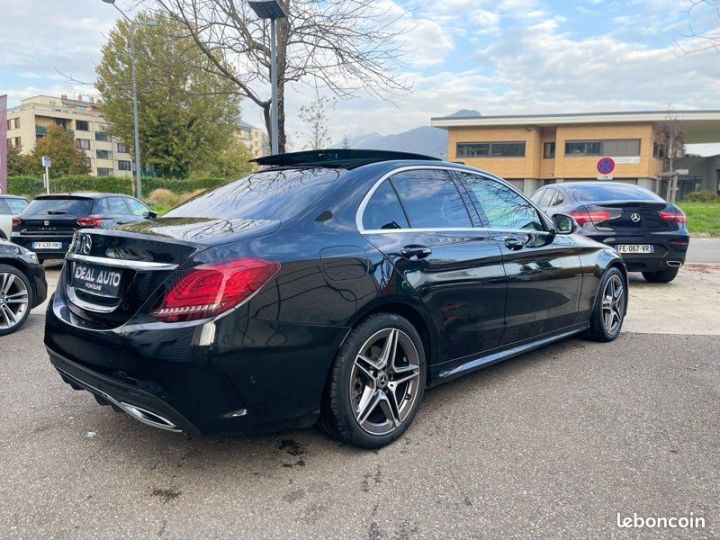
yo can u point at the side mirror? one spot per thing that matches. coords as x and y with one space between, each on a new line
564 224
151 215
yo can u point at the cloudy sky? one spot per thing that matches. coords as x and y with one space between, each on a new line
494 56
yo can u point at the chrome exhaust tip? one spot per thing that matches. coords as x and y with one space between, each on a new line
674 264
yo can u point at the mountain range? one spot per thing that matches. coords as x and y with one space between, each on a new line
425 140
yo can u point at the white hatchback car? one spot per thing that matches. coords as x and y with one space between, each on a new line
10 206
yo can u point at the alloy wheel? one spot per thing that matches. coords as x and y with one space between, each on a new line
384 381
613 304
14 300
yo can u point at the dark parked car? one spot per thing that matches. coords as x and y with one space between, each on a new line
22 286
334 285
647 231
47 225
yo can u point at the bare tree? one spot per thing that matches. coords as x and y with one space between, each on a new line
315 116
669 136
347 46
707 38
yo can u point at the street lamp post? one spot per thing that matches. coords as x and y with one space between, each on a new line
271 10
136 131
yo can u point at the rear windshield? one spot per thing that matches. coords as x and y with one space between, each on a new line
617 192
274 195
72 206
12 206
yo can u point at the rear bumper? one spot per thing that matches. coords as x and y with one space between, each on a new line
250 376
27 240
670 250
39 282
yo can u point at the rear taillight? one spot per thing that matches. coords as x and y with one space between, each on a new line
16 221
90 221
596 216
673 216
211 289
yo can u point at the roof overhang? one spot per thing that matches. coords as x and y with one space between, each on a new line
702 126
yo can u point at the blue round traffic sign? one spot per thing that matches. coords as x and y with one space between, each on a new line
606 165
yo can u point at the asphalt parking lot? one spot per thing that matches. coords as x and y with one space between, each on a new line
552 444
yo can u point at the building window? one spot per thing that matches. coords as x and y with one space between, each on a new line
609 147
621 147
13 123
583 148
18 143
82 125
124 165
102 154
123 149
549 150
101 136
491 149
88 163
82 144
104 171
658 151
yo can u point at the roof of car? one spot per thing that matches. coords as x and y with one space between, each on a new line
83 194
338 158
8 196
592 184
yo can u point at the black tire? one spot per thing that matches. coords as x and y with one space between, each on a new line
4 270
661 276
339 415
599 329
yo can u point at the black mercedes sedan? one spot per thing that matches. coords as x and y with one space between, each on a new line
22 286
48 223
650 233
330 287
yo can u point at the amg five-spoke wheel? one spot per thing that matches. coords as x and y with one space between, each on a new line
610 307
613 304
14 300
384 381
377 382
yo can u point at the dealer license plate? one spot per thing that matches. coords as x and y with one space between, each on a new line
97 280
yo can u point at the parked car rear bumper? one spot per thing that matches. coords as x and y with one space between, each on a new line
670 249
254 375
27 241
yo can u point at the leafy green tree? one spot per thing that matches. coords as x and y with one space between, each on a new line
59 144
186 114
18 164
232 163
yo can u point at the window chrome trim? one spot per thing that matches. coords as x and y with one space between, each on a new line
488 176
121 263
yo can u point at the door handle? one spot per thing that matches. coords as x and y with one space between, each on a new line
416 251
511 242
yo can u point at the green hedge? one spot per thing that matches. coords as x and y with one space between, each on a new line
702 196
28 185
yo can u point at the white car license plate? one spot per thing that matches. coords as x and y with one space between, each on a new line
636 248
47 245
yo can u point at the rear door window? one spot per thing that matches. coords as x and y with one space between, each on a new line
500 206
117 206
431 199
383 210
136 207
12 206
60 206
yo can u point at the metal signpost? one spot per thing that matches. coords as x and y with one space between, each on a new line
271 10
3 145
46 162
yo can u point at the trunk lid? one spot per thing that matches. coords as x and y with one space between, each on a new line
627 216
110 274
